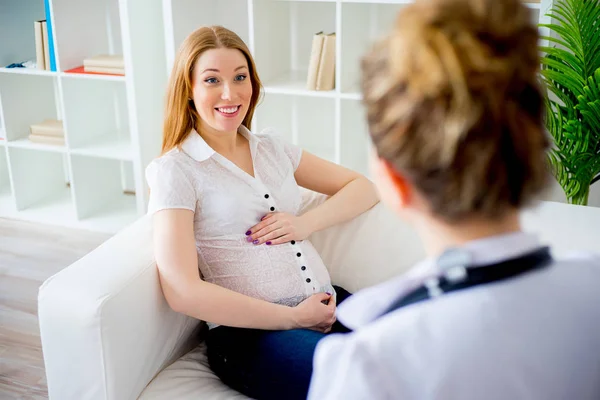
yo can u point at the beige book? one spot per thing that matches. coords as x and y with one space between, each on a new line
39 45
315 58
48 127
326 74
105 60
46 46
105 70
42 139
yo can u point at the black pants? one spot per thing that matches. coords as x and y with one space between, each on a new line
267 364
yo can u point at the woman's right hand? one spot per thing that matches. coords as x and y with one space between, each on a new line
313 314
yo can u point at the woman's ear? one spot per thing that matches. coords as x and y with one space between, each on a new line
393 186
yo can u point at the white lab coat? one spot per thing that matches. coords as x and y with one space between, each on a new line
535 336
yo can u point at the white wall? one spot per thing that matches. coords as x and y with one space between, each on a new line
556 193
16 23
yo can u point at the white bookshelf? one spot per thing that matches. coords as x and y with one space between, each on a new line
279 33
112 123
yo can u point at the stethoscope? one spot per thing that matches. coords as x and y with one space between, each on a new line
458 272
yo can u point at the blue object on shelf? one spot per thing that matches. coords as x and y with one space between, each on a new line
50 37
15 65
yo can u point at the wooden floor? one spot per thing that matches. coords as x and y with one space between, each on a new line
30 253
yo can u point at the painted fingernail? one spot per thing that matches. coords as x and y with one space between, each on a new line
248 233
268 243
249 239
328 294
256 241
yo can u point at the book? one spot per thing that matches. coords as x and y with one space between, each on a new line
315 58
105 61
42 139
106 70
48 127
52 66
326 72
39 45
46 49
81 70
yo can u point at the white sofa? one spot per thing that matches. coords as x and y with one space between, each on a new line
107 332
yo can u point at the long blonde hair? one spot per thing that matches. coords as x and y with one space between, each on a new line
181 115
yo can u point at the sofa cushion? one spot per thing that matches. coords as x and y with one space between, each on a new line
189 378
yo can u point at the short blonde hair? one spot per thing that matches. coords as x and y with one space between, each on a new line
180 114
453 104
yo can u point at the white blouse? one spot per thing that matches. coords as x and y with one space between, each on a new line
226 202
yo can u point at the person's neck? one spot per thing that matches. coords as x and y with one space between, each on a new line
438 236
224 143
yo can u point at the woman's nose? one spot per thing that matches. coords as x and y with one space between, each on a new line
226 94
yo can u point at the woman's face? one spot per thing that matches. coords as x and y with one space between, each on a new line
221 89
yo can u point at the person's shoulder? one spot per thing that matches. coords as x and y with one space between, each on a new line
171 165
171 157
578 260
584 265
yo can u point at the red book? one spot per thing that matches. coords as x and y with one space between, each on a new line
80 70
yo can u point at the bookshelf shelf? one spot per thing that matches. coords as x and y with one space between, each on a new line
55 209
294 83
351 96
117 148
27 71
113 216
109 178
27 144
86 76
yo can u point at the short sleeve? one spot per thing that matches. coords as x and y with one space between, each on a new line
169 186
293 152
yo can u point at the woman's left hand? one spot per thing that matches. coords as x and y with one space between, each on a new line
277 228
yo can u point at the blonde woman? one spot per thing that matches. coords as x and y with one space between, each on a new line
231 246
454 112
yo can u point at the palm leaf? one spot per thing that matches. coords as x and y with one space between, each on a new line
567 57
571 71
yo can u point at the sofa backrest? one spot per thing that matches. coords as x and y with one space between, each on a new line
378 245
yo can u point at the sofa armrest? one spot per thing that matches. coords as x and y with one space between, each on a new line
105 326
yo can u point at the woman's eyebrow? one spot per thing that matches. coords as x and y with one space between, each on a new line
216 70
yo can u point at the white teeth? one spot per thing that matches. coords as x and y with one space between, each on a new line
228 110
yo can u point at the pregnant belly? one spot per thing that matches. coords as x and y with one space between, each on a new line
273 274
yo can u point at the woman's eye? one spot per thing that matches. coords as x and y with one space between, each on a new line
240 77
211 80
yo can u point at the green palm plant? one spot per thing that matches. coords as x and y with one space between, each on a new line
571 71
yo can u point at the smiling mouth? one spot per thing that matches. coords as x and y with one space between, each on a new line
229 111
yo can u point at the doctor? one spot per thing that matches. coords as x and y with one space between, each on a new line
455 114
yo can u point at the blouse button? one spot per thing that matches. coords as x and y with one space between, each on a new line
266 196
298 254
272 208
307 280
293 242
303 268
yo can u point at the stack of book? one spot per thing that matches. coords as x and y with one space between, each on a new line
106 64
49 131
321 67
42 49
